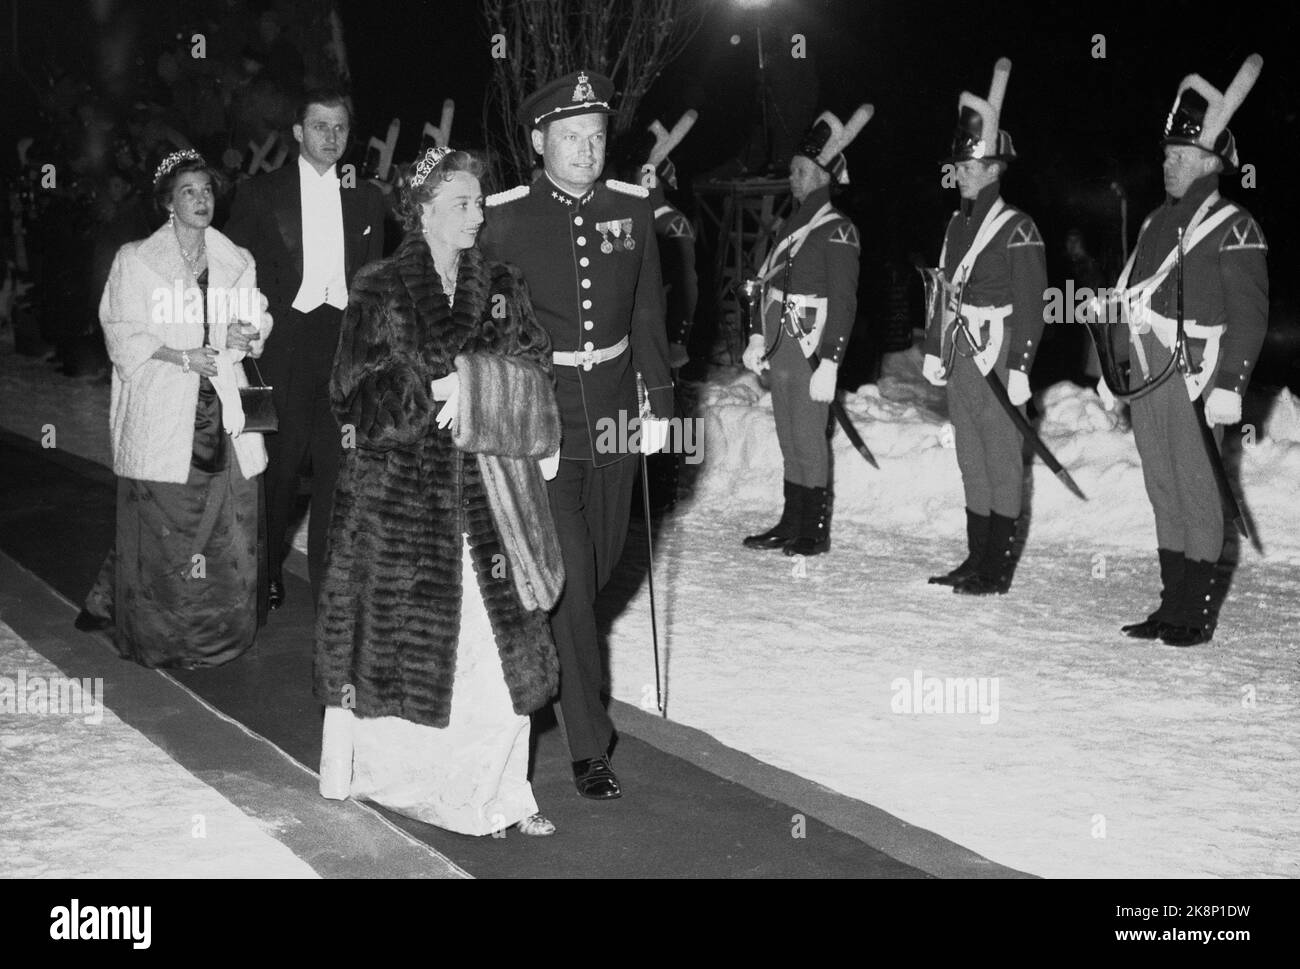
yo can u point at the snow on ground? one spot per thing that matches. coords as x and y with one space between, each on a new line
1107 757
83 799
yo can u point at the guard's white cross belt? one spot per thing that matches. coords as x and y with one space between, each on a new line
803 303
988 323
589 357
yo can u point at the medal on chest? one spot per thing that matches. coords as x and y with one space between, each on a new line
621 230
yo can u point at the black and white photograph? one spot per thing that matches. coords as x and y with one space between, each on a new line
650 439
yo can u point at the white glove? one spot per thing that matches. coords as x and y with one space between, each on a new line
821 386
1018 387
654 435
1222 407
444 387
677 356
753 355
985 359
932 370
1107 398
264 327
550 466
447 388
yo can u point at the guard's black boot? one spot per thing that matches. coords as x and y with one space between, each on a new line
1193 623
788 527
814 524
1172 568
977 539
998 564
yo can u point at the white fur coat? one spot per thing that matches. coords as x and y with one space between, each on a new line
152 301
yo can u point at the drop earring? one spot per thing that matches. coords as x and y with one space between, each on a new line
171 219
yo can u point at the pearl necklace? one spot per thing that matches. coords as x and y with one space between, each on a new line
192 261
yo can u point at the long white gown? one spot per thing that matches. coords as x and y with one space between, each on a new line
470 776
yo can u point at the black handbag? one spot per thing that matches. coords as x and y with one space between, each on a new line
259 409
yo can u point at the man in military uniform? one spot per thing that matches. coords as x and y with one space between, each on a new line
809 303
994 259
587 251
1225 315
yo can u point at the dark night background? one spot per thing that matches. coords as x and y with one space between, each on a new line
1079 123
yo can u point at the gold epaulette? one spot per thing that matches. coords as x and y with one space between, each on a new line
627 188
509 195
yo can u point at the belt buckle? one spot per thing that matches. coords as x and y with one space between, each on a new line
586 359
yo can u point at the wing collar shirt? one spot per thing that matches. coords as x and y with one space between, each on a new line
323 276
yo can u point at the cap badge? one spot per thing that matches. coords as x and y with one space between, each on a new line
582 90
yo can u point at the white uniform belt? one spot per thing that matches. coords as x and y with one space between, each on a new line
802 301
588 358
985 314
1166 330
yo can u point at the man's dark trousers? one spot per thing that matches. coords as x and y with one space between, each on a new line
298 362
591 507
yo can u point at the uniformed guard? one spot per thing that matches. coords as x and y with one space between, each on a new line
994 262
806 311
1224 317
675 236
587 251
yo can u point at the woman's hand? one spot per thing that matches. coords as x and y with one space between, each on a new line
240 336
202 360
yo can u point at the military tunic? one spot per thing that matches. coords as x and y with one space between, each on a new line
676 240
822 279
592 267
1002 300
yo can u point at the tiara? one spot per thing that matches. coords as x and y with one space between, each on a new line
427 164
174 159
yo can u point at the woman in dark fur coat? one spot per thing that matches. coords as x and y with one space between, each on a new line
432 643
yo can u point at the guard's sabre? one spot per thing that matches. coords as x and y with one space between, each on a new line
842 416
1026 429
1220 473
644 400
934 278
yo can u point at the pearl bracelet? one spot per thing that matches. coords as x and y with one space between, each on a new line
185 361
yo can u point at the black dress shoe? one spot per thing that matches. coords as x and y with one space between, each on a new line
90 623
1184 635
275 594
595 779
1147 629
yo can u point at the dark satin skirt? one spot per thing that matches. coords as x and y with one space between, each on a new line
211 444
185 574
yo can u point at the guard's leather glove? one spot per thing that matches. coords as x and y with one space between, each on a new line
821 386
550 465
1222 407
1107 398
932 370
1018 387
654 435
753 355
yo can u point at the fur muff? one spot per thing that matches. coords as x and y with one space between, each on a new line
389 612
508 417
